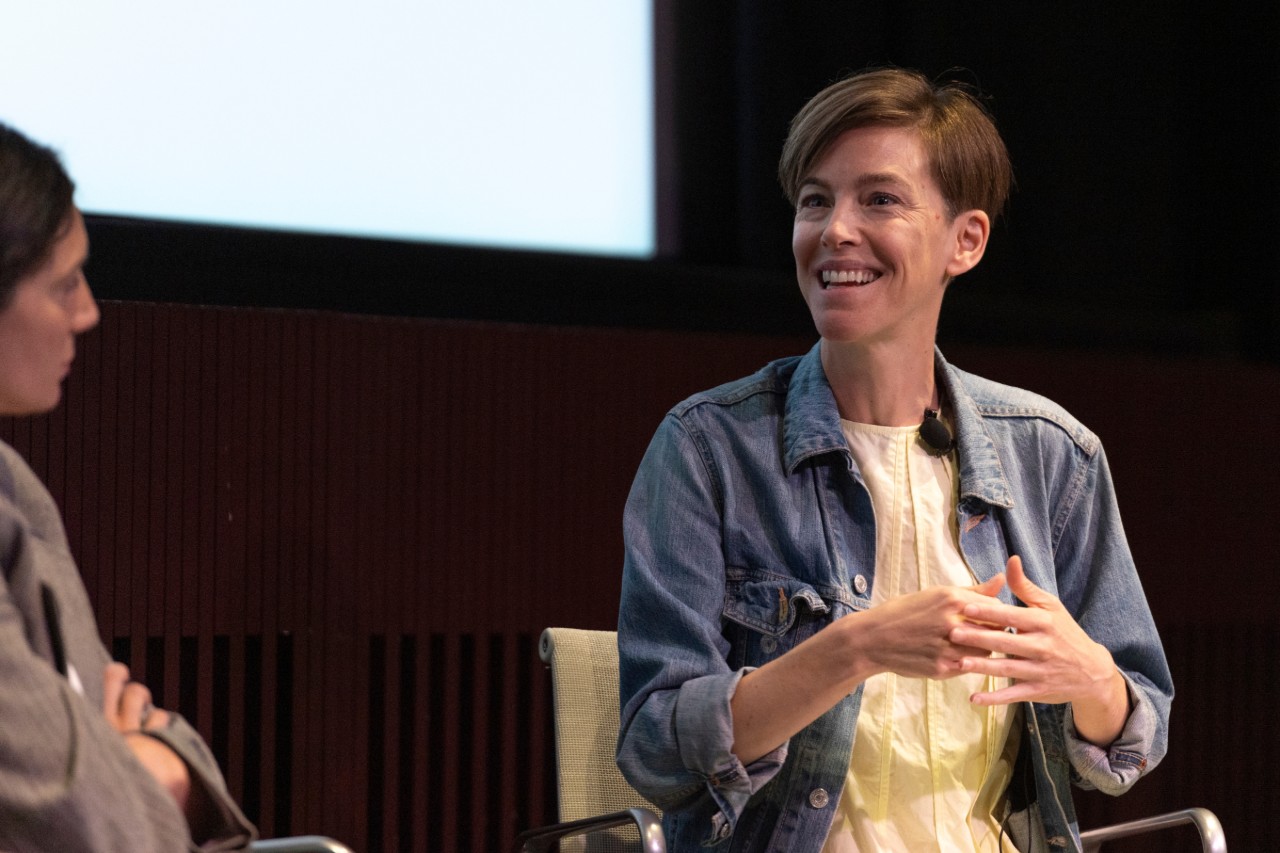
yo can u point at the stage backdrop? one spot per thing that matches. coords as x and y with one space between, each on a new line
332 541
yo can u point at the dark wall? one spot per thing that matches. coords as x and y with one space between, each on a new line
332 541
1142 136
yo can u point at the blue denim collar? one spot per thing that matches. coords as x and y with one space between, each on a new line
981 474
811 421
811 427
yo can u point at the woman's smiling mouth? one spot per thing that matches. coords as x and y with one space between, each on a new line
846 277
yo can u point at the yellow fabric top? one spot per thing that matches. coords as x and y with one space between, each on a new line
928 768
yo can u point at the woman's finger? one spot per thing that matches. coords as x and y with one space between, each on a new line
114 678
135 706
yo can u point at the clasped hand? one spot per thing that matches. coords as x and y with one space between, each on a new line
128 709
1047 655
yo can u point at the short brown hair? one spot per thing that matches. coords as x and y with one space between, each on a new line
967 156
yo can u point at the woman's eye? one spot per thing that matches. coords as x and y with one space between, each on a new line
882 199
71 283
812 200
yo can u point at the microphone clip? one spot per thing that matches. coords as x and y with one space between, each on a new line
937 439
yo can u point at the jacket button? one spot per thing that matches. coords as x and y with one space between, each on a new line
860 584
818 798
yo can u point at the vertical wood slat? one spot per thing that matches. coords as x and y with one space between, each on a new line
110 485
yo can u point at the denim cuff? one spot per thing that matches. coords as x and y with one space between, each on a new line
1114 769
704 729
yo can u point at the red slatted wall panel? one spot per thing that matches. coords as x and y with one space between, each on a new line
332 541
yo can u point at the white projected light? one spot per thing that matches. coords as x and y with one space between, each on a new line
494 122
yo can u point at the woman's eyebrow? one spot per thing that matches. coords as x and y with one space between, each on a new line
879 178
869 179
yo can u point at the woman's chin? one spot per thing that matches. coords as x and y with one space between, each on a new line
30 404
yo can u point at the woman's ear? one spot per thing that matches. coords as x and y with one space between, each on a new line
971 230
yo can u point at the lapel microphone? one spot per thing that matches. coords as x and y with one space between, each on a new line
938 440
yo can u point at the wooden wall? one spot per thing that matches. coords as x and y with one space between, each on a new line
332 540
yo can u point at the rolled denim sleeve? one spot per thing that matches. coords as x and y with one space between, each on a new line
1115 768
1105 595
676 735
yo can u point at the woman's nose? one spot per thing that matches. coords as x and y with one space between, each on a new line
842 228
84 311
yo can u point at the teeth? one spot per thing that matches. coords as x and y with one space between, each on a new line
849 276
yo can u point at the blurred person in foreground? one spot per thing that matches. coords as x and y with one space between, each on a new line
871 601
87 763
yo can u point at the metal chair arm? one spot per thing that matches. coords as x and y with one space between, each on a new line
299 844
1206 823
536 840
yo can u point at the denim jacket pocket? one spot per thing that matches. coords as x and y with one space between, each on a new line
767 615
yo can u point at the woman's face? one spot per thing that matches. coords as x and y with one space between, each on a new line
38 327
873 242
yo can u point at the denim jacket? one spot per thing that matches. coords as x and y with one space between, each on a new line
749 528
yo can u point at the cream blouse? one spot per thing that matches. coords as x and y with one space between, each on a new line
928 767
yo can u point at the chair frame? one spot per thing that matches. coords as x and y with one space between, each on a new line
299 844
1206 823
604 812
648 823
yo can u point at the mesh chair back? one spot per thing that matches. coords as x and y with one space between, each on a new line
584 685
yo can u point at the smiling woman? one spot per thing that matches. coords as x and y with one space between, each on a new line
818 589
874 244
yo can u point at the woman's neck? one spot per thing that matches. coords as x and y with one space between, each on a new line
882 385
